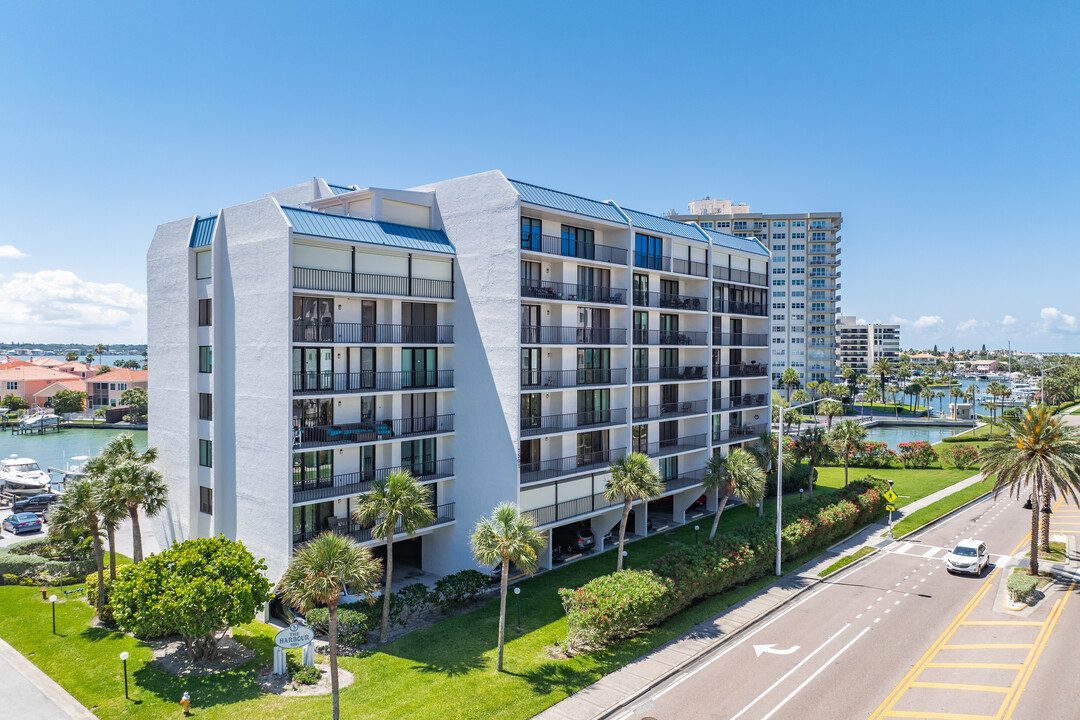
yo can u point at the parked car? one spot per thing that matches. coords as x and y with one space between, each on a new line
969 556
496 573
35 504
572 538
279 610
22 522
699 503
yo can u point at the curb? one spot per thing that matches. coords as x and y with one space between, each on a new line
72 708
942 518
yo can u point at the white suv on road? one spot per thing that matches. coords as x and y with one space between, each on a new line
969 556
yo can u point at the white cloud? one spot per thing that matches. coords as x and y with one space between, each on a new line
10 252
968 325
897 320
1055 321
1008 321
927 321
57 304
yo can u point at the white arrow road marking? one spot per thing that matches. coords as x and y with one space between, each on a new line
769 649
816 673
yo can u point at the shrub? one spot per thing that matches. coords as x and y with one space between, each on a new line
872 455
461 587
1022 587
961 456
38 557
355 621
414 598
917 454
10 579
307 675
614 606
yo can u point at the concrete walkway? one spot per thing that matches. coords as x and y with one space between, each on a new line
30 693
646 671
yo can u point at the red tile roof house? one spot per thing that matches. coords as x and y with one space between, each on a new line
105 390
25 381
43 396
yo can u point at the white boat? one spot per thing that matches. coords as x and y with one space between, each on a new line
23 476
41 419
73 469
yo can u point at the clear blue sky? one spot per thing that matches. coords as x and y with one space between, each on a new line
945 132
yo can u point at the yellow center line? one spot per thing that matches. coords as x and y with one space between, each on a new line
961 686
938 716
990 646
977 666
1005 622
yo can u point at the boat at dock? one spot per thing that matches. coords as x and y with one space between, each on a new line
40 420
22 476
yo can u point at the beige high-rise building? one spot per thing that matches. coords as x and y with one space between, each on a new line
804 279
861 345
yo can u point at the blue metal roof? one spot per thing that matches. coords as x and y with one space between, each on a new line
339 189
742 244
569 203
341 227
664 226
203 233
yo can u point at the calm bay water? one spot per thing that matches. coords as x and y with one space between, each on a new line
54 449
896 435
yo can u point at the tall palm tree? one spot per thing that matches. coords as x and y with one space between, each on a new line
848 373
872 394
955 395
317 575
737 474
812 386
882 368
830 409
110 502
894 390
76 512
633 477
142 486
789 379
846 440
396 503
507 537
928 397
1040 455
814 447
767 451
940 395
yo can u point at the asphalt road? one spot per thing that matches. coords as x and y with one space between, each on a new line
897 636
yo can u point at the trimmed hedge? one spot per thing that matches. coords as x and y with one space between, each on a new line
20 560
1022 587
619 605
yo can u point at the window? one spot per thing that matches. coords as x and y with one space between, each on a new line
798 293
798 306
779 223
798 236
817 237
798 223
202 265
205 312
801 246
530 366
798 317
798 258
779 306
779 316
530 234
779 258
112 386
205 359
779 236
706 224
779 283
723 224
781 293
420 367
797 281
778 328
206 453
779 248
206 406
778 341
206 500
798 271
12 384
648 251
640 438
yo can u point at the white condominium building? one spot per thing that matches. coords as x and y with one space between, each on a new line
805 279
501 341
861 345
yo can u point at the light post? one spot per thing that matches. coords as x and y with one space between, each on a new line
890 511
780 475
517 601
625 562
1042 377
801 492
52 601
696 528
124 657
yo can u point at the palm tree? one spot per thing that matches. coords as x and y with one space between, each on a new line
737 474
830 409
396 503
142 486
848 374
766 451
894 390
940 395
814 446
110 502
882 368
318 573
928 396
99 413
800 396
812 386
507 537
872 394
77 511
955 395
633 477
789 378
1040 455
846 440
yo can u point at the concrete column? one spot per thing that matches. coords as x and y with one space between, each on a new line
641 520
603 524
680 502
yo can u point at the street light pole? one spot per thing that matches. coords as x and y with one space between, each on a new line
780 475
124 657
52 601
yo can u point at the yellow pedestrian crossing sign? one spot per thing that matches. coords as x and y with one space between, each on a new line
890 496
890 508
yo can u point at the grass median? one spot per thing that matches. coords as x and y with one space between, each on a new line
945 505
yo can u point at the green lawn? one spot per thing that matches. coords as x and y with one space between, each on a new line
910 485
847 560
947 504
982 433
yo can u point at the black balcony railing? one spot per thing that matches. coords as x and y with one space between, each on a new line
684 480
557 512
544 424
670 337
669 301
560 335
556 467
741 339
670 411
669 374
369 334
572 378
738 434
567 247
740 307
667 263
370 284
545 290
356 483
443 514
369 381
739 402
308 434
663 448
739 371
740 276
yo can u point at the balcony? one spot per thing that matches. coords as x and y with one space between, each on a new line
739 402
670 337
824 262
557 467
669 301
669 374
560 335
684 480
565 247
584 377
741 370
358 333
357 483
337 281
738 307
307 434
740 339
821 333
670 411
560 511
547 424
738 434
740 276
673 446
370 381
545 290
350 528
666 263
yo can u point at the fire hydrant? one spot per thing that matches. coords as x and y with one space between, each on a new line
185 702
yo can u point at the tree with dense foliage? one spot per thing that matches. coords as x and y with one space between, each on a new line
317 575
847 438
1041 457
633 477
197 589
137 401
789 379
830 409
396 503
71 356
812 386
507 537
813 446
13 402
872 394
737 474
766 451
77 511
68 401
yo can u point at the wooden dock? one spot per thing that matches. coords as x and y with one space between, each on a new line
19 429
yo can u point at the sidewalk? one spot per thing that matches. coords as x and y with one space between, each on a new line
648 670
34 693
